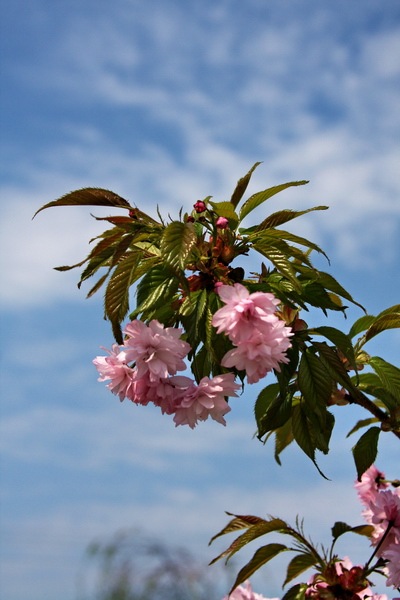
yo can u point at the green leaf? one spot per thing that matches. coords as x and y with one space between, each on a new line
260 558
314 382
241 186
283 216
261 197
301 431
280 261
298 565
278 413
361 324
391 321
264 399
227 210
176 244
201 304
371 384
321 432
339 528
390 310
116 301
303 434
366 450
334 365
388 374
157 286
285 235
340 340
366 530
297 592
149 247
362 423
330 283
88 197
283 438
315 294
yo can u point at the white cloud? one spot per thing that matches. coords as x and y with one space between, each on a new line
52 545
309 89
276 107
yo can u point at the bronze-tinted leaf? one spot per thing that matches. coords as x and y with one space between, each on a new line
116 301
88 197
241 186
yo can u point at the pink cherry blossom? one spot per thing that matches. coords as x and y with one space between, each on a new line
261 353
206 399
244 313
392 554
168 392
138 392
222 222
114 367
155 349
384 509
245 592
371 482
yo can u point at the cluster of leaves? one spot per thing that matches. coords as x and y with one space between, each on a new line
307 554
296 408
175 267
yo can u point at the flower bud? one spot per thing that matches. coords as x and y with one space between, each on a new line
199 206
222 222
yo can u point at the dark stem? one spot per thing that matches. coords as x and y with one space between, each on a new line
362 400
389 527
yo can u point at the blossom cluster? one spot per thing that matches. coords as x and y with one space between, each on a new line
245 592
144 368
157 353
382 511
259 336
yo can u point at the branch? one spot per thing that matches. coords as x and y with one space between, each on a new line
362 400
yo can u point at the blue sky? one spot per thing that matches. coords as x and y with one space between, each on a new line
166 102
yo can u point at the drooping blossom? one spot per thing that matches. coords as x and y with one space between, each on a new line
115 368
384 511
206 399
392 554
155 349
261 353
245 592
372 481
244 313
168 392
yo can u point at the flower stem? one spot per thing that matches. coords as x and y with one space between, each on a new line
389 527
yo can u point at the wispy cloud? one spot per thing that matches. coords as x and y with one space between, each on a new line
166 105
326 111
